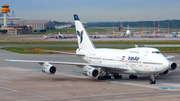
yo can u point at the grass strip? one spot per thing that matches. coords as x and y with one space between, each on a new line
37 50
119 42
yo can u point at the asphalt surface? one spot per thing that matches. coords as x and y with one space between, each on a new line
25 81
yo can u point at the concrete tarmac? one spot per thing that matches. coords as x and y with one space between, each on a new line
26 82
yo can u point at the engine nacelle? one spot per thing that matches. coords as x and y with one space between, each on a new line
48 68
165 72
91 72
172 65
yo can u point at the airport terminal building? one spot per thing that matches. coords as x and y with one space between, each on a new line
27 27
16 30
37 24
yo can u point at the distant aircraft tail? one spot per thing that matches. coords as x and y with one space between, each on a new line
84 41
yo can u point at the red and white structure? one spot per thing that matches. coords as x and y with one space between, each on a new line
113 27
68 27
142 26
145 27
154 29
121 27
168 27
158 26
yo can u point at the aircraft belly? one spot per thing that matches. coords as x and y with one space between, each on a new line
142 72
123 72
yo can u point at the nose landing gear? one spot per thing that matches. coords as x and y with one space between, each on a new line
152 79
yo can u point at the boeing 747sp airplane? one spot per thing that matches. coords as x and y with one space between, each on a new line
111 63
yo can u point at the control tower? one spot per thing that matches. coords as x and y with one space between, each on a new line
5 9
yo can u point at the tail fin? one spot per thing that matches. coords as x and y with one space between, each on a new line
84 41
127 27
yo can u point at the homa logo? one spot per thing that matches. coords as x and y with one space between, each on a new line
123 58
80 35
133 58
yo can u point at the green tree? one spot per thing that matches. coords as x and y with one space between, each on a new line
43 31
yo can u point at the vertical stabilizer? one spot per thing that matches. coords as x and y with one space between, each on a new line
84 41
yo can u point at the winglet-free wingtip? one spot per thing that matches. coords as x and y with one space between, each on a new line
76 17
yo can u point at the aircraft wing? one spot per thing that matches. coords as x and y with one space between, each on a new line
169 57
68 53
105 66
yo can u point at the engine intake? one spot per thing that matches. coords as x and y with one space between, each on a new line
48 68
173 65
91 72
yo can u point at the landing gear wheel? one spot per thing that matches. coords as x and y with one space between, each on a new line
152 79
135 77
132 76
117 76
107 77
120 76
101 78
154 82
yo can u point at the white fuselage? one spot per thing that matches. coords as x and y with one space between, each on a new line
139 60
128 32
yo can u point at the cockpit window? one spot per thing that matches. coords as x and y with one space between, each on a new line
156 52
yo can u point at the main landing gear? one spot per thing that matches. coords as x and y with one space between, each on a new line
132 76
152 79
108 76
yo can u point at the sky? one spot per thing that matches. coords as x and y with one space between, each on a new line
96 10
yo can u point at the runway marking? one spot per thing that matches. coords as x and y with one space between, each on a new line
167 87
164 86
2 63
7 92
75 71
150 97
35 67
13 90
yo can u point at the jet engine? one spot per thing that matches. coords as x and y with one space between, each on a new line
48 68
172 65
92 72
165 72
